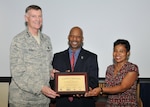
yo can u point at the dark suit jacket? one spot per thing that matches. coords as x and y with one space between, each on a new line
86 62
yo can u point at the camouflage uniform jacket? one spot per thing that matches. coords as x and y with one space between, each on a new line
30 65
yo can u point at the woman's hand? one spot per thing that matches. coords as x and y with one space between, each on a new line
93 92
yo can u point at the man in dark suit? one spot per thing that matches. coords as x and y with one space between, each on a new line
85 61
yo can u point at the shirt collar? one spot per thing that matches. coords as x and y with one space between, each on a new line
76 52
29 34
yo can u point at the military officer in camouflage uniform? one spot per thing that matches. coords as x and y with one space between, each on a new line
30 64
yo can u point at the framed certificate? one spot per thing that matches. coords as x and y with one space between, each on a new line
71 82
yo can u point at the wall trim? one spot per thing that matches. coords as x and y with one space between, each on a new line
5 79
141 80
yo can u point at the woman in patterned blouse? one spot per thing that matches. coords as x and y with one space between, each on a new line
121 78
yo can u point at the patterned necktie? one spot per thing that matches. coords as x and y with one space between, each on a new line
72 61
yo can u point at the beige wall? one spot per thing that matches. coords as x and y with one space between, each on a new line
4 94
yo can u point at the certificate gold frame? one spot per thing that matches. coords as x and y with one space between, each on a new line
71 82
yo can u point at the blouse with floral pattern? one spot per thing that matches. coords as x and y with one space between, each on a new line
124 99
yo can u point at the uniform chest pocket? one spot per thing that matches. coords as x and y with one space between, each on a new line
31 54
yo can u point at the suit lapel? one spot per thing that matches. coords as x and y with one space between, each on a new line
80 60
67 60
